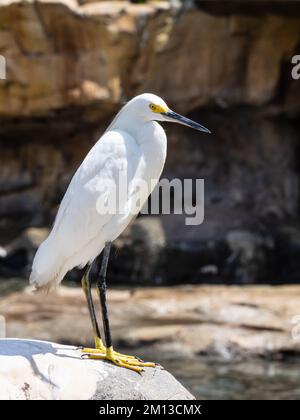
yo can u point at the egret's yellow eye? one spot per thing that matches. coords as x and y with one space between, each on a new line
157 108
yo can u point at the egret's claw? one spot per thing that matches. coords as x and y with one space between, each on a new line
122 360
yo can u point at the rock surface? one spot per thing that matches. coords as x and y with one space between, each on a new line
230 322
40 370
65 53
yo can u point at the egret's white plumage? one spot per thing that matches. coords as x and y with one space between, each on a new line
134 145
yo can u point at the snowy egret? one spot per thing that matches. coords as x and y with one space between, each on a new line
134 145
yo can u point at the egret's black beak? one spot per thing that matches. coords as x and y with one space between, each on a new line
173 116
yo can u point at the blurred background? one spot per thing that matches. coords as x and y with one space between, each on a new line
216 304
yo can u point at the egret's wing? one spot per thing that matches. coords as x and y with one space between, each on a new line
78 222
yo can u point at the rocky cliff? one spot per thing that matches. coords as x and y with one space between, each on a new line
71 65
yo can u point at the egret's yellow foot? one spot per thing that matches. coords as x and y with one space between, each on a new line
103 352
100 349
121 360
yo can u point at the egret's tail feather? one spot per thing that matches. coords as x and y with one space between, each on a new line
43 284
47 271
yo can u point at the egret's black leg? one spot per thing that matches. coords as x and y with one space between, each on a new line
86 286
101 287
100 351
123 360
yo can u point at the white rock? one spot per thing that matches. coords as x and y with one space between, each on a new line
36 370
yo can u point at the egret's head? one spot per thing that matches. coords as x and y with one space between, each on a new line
152 108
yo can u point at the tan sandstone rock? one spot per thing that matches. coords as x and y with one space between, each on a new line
62 54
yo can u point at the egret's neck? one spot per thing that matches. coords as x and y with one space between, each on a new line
152 140
148 134
131 124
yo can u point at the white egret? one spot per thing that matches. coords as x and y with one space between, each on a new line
135 146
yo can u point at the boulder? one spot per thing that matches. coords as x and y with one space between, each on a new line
40 370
